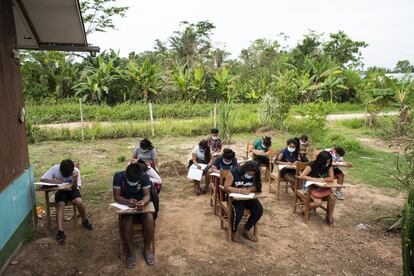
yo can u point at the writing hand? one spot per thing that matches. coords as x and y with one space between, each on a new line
140 205
132 203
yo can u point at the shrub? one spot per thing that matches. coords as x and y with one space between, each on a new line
337 140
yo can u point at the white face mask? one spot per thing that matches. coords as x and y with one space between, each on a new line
144 150
291 150
303 143
227 162
248 176
132 184
214 137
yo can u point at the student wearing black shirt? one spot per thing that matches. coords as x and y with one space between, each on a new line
132 188
226 161
245 180
321 170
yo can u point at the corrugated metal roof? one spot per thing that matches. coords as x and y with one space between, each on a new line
50 25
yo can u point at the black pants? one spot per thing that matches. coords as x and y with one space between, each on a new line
255 208
261 159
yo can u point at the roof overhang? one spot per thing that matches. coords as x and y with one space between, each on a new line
50 25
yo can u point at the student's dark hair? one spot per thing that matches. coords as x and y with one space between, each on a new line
66 167
206 147
214 130
318 166
146 144
304 137
267 141
340 151
142 164
228 154
133 172
252 166
296 142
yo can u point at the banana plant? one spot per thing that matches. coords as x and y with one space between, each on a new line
95 82
197 86
224 83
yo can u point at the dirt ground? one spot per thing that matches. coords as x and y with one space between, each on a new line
189 240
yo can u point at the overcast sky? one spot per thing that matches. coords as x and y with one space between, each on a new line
386 25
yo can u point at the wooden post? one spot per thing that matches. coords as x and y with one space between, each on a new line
215 115
81 116
152 119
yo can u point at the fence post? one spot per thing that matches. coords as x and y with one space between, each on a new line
215 115
152 119
81 117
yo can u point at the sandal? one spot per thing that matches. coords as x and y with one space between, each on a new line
330 223
149 259
249 236
131 262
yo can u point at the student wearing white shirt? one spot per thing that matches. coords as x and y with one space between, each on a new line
338 157
153 175
66 173
201 155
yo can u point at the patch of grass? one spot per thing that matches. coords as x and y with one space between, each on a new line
69 112
353 123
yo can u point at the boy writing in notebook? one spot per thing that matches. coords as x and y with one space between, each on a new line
66 173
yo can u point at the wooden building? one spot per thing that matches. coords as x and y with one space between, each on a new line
37 25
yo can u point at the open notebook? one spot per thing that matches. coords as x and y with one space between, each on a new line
319 184
242 196
196 173
50 184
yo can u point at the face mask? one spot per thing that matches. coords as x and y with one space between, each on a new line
144 150
227 162
132 184
214 137
291 150
248 176
303 143
263 146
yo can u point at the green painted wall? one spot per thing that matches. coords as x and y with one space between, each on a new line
17 214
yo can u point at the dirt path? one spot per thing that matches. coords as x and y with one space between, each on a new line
73 125
189 240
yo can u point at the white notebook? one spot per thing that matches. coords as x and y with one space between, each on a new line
196 173
237 195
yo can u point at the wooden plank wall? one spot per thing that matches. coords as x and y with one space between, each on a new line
14 156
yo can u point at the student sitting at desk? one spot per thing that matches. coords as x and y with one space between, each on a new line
304 148
245 180
153 175
133 188
66 173
146 152
338 159
321 170
260 149
289 156
214 142
226 161
201 155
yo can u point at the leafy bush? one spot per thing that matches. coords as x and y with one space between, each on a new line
311 119
338 140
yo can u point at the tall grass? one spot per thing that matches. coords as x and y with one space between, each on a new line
69 112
